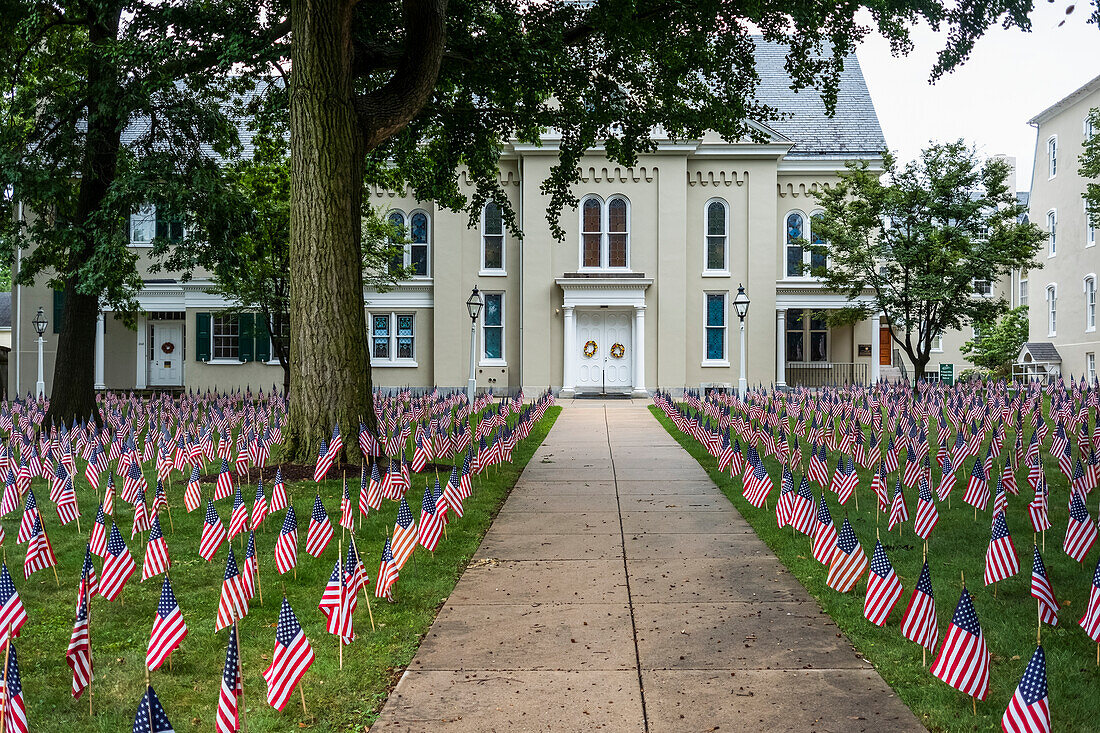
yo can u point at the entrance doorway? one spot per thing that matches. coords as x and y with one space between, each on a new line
885 347
165 354
604 351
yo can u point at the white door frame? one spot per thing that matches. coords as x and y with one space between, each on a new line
156 356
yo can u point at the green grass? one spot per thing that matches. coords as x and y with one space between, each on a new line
338 700
957 544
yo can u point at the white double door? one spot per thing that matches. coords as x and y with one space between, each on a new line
598 332
166 355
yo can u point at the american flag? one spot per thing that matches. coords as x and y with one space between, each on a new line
118 565
848 563
15 710
213 533
324 461
1029 709
1090 622
238 519
98 539
420 452
286 546
141 516
259 506
289 661
87 573
1043 590
883 588
430 527
947 480
67 509
880 484
1080 531
251 570
278 492
387 573
30 514
192 496
404 535
899 512
357 574
39 551
1000 558
224 487
977 489
168 628
227 719
12 613
452 494
927 515
845 480
320 529
156 553
134 483
347 511
160 501
824 533
963 661
757 483
233 604
79 654
1037 508
150 716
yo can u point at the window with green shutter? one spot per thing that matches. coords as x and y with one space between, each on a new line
263 338
202 336
58 309
170 227
245 340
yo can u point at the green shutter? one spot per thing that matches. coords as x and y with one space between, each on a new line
245 347
263 339
202 336
58 309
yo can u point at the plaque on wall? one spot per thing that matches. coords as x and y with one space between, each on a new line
865 349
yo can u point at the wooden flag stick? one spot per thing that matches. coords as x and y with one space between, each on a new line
240 674
4 679
148 698
340 600
1039 628
303 694
54 566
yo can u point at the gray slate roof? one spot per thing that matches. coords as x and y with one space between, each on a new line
5 309
854 128
1043 351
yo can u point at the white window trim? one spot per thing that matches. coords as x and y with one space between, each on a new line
725 360
724 271
223 361
807 236
1091 277
152 214
1052 233
1090 369
974 283
1023 288
393 361
604 233
1090 230
1052 298
1052 170
937 345
501 271
503 360
409 245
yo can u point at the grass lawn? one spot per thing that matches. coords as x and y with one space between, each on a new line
957 544
337 700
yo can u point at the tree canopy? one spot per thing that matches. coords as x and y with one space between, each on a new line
923 243
1090 167
996 345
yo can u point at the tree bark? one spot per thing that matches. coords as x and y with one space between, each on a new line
329 360
72 396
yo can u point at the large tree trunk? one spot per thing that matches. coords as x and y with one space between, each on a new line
329 359
72 396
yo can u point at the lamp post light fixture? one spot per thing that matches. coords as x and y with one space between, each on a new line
473 307
40 324
741 304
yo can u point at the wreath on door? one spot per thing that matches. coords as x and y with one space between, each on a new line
589 349
168 347
617 351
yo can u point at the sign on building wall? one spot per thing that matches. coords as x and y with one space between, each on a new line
947 374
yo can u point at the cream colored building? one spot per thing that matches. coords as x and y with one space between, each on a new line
638 295
1062 295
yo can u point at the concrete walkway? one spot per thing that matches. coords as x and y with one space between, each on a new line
619 590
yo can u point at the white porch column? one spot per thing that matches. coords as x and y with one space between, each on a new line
99 339
142 354
568 379
781 347
875 346
639 352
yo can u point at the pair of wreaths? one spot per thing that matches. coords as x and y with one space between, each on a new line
618 351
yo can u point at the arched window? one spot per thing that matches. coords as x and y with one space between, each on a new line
1052 232
492 237
417 250
397 219
717 236
816 260
605 232
796 230
1090 302
1052 310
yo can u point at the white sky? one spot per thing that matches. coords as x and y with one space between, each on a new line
1009 78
